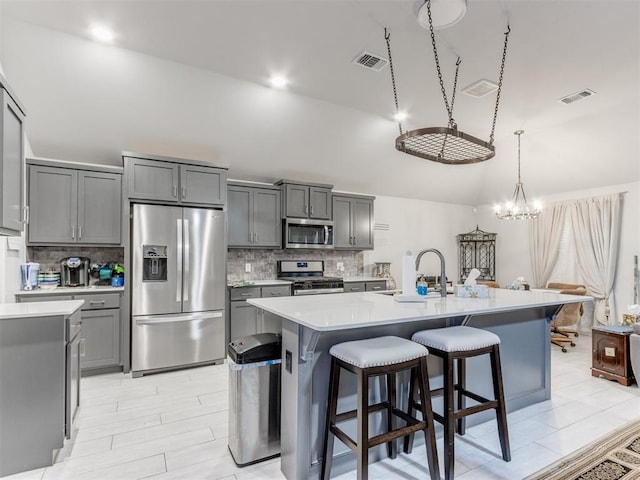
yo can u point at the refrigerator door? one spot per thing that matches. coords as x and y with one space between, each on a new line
156 243
204 283
169 341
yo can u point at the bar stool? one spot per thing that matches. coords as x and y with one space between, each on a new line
369 358
457 344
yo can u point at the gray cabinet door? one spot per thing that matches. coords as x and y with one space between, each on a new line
296 201
267 222
243 320
342 213
375 286
99 207
240 215
53 205
100 338
202 185
320 203
362 225
11 161
153 180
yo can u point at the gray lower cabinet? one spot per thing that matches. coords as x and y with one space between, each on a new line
160 179
365 286
73 206
244 319
11 166
254 217
100 337
353 222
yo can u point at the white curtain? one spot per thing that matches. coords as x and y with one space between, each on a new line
545 233
595 225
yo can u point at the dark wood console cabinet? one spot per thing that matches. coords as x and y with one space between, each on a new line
610 354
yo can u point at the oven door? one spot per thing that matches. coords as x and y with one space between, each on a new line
303 233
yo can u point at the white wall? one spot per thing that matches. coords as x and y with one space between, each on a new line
415 225
512 245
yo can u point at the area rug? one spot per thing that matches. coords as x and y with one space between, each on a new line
613 457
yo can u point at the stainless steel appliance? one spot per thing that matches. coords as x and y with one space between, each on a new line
74 271
254 397
307 233
307 277
178 287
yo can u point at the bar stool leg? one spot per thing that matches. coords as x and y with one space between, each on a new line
462 385
427 416
448 414
334 381
408 440
501 411
391 399
362 451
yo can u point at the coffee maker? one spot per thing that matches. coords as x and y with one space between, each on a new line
74 272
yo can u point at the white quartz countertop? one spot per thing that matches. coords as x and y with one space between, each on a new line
363 279
39 309
259 283
71 290
355 310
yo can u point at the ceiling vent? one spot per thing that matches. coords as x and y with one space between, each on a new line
574 97
480 88
370 61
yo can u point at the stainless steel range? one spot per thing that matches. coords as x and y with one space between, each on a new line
308 277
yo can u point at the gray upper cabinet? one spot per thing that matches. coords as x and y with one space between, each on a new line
152 180
306 201
11 165
174 180
353 222
254 217
73 206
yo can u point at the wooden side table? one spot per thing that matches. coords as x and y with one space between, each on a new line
610 354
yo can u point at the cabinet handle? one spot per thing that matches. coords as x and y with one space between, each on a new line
311 210
255 237
276 294
79 232
82 347
175 191
376 288
96 302
184 192
73 232
306 209
25 215
245 294
355 242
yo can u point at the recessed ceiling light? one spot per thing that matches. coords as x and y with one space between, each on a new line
400 116
278 81
444 13
102 34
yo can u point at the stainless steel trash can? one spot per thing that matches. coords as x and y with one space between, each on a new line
254 398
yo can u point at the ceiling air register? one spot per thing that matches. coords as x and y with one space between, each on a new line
446 144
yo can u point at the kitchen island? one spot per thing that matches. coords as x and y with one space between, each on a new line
311 325
39 381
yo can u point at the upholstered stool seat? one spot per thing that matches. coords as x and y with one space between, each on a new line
369 358
454 345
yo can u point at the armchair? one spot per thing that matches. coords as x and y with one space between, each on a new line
567 319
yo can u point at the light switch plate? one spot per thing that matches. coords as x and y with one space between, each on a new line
247 267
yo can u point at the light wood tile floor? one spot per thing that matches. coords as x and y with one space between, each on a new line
174 426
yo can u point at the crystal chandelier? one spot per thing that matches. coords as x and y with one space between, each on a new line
518 208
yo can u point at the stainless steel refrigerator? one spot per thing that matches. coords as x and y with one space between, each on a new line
178 287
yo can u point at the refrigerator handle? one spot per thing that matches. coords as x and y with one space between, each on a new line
179 259
185 296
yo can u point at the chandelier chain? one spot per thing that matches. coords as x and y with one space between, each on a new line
504 57
387 37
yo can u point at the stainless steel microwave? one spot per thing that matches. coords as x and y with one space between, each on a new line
307 233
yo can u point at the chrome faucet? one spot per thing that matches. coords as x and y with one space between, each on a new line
443 277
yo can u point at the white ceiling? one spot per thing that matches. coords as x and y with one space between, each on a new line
556 48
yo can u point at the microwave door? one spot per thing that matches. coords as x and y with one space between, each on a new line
156 245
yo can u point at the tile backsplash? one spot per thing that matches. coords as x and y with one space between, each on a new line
263 262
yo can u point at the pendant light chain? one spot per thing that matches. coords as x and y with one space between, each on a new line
387 37
504 57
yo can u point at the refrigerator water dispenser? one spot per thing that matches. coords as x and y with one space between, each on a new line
154 263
